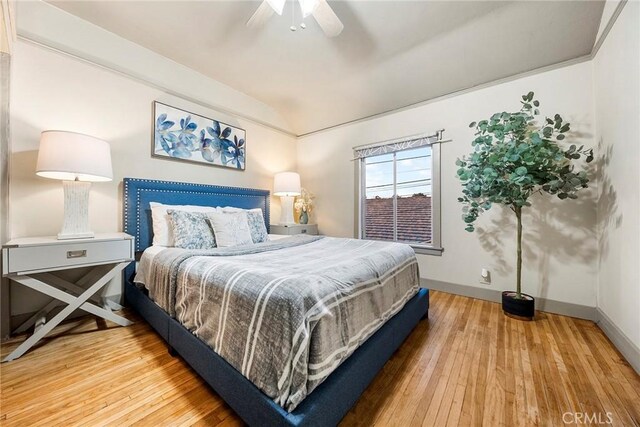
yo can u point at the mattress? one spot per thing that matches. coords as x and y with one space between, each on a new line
284 313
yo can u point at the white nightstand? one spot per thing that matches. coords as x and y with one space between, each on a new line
30 261
294 229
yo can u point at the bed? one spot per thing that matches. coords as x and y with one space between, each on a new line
327 400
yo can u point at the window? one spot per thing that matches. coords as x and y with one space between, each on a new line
399 195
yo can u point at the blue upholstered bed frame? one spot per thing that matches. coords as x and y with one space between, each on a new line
326 405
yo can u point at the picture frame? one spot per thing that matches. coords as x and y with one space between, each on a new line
189 137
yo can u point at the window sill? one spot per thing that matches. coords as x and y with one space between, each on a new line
427 250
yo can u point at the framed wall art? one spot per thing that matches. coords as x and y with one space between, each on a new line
181 135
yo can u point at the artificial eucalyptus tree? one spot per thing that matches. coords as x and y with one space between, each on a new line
515 157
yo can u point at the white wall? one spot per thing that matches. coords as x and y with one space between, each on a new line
50 90
560 249
561 243
617 99
44 23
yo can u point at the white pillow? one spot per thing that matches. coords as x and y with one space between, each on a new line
162 228
230 228
255 219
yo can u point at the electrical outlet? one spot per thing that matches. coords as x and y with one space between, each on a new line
486 276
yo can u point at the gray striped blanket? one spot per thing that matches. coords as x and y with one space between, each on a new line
285 313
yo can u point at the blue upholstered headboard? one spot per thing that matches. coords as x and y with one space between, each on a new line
138 193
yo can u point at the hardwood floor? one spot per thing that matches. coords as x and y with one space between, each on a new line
467 365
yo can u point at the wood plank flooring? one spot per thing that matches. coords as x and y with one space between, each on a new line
467 365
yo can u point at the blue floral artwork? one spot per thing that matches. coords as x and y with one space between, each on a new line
186 136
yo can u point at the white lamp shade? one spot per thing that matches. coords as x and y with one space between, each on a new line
73 156
286 184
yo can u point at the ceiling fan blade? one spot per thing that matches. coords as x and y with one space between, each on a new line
308 6
327 19
277 5
261 15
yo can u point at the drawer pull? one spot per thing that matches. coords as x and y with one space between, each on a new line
77 254
303 231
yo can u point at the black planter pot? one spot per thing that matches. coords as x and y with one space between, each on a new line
523 307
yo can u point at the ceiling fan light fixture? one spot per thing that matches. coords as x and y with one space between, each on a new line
308 7
277 5
319 9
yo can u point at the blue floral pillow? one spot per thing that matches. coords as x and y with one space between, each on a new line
191 230
256 226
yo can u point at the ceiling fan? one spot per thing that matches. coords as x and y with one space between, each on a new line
320 9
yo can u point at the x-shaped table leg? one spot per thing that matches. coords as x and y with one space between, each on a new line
77 288
72 301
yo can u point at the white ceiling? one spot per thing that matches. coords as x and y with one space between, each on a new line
391 53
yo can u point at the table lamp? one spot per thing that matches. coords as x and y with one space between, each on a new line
77 160
287 186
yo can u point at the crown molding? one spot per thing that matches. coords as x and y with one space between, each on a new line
124 73
148 81
598 43
453 94
607 28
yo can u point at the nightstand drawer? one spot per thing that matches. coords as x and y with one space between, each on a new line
66 255
311 229
306 230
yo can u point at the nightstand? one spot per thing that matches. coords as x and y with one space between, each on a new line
30 261
294 229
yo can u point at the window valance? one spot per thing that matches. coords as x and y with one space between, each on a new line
397 144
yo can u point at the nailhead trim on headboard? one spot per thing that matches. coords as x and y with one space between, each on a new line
140 186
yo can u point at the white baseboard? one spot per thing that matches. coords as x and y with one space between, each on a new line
628 349
542 304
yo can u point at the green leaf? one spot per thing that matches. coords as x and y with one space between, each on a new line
472 124
535 138
521 171
513 157
488 171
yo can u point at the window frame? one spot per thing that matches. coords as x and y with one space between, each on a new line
435 248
